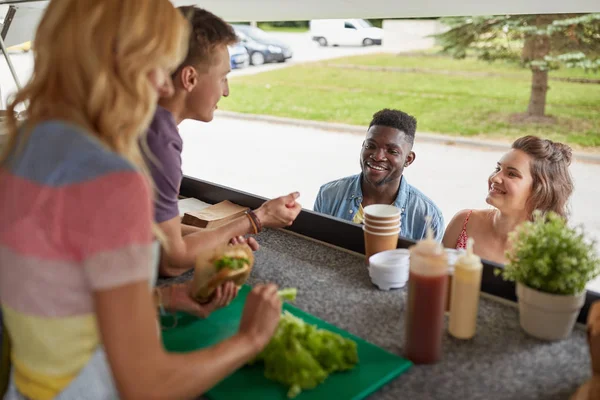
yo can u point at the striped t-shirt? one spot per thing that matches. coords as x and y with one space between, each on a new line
75 218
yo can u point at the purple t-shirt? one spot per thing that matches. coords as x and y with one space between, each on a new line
166 145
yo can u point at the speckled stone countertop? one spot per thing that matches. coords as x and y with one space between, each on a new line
500 362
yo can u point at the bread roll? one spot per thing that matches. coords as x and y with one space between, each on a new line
207 276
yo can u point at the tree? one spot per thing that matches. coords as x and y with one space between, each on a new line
540 42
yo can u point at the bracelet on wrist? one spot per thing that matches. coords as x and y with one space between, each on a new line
254 221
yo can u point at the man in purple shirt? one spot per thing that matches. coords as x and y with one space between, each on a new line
199 82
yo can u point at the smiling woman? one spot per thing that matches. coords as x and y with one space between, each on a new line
533 175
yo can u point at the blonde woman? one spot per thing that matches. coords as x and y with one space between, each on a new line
76 210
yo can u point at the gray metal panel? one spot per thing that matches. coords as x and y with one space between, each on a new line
22 23
280 10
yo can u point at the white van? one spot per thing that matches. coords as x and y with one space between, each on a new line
348 32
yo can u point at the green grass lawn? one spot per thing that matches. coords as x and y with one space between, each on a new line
430 60
455 105
265 26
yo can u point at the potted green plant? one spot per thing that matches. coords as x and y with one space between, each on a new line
551 264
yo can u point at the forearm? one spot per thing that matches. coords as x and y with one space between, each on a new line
210 238
203 369
139 363
183 257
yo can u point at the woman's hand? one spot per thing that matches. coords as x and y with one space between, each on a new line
261 315
177 297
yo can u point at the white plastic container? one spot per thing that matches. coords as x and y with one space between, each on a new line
389 269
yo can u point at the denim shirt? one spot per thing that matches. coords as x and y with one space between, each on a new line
343 197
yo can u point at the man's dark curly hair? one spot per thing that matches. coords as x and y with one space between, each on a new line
396 119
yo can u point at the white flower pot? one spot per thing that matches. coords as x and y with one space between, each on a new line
548 316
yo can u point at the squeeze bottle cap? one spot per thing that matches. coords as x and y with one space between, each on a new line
428 246
469 259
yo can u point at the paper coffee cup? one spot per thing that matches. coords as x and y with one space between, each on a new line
378 242
381 212
381 224
383 230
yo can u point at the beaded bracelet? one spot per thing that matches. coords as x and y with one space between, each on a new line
254 227
256 221
256 224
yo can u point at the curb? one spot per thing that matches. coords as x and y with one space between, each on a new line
435 138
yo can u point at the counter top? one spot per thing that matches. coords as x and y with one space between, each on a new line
500 362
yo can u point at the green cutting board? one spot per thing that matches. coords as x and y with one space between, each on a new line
376 366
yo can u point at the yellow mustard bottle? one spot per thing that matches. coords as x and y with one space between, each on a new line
466 288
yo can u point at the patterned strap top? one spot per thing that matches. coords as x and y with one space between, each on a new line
461 243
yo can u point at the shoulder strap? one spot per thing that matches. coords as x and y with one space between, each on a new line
467 220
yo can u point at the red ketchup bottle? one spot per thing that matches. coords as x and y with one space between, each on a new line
427 291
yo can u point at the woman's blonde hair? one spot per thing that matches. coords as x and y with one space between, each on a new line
92 60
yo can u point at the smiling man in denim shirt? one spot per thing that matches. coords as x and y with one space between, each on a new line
386 151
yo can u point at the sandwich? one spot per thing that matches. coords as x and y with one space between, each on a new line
222 264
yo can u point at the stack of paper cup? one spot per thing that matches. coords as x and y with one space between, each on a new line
390 269
381 227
